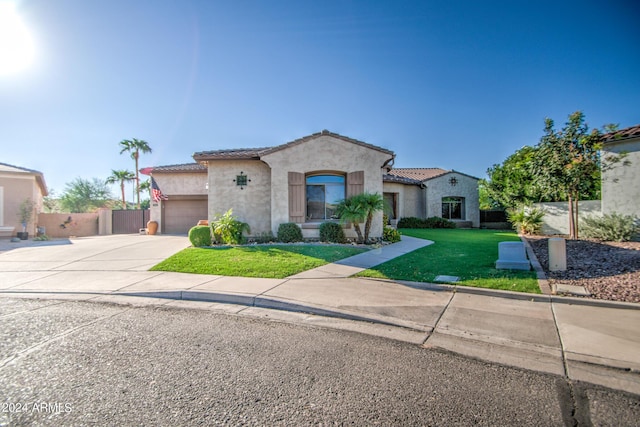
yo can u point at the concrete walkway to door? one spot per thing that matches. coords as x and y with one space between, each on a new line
586 340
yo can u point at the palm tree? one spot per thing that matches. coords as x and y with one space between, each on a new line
351 210
121 176
372 203
135 147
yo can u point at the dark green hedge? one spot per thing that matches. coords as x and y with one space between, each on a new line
432 222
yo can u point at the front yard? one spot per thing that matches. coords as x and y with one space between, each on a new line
468 254
269 261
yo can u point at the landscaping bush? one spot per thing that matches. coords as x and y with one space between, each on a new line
390 235
432 222
228 229
332 232
264 237
610 227
437 222
200 236
289 232
526 220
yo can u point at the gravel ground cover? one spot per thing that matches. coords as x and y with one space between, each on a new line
608 270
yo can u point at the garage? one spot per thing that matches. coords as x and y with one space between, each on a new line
179 215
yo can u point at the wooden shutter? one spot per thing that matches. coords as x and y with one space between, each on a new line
296 197
355 183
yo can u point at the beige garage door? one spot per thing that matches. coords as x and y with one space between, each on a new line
180 215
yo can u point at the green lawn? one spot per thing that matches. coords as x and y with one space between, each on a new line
468 254
271 261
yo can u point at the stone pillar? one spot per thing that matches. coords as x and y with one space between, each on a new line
557 254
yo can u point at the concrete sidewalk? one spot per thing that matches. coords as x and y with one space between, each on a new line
582 339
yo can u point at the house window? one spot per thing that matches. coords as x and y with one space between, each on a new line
453 207
324 192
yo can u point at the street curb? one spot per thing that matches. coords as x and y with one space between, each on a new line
276 304
436 287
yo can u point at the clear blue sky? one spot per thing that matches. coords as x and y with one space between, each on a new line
451 84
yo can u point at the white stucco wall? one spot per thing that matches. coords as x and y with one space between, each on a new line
556 215
325 153
251 204
621 184
466 187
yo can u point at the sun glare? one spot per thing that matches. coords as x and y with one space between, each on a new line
16 45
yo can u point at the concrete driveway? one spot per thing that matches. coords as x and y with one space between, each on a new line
122 252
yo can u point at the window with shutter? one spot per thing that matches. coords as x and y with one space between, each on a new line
355 183
296 197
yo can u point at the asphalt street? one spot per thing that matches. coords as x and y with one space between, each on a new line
81 363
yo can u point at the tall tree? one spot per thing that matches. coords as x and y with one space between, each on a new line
511 183
120 177
135 147
83 195
568 161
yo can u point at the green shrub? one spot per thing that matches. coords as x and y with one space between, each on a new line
526 220
200 236
265 237
432 222
437 222
390 235
610 227
289 232
332 232
228 229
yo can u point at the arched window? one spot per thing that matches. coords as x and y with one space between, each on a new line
453 208
324 191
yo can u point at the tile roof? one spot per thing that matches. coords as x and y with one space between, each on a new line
231 154
181 168
6 167
400 179
631 132
256 153
419 174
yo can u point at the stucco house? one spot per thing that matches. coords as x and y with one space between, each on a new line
621 180
301 181
16 185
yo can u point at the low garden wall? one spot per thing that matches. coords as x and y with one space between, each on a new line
69 224
556 215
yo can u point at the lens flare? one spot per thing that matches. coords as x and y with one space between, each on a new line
16 45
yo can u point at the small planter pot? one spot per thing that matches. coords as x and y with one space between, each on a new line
152 227
23 235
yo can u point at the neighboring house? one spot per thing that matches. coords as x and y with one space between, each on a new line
621 180
302 182
16 185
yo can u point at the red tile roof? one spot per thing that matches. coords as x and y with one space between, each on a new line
631 132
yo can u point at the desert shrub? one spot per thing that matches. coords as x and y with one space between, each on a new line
432 222
228 229
289 232
390 235
199 236
610 227
332 232
526 220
